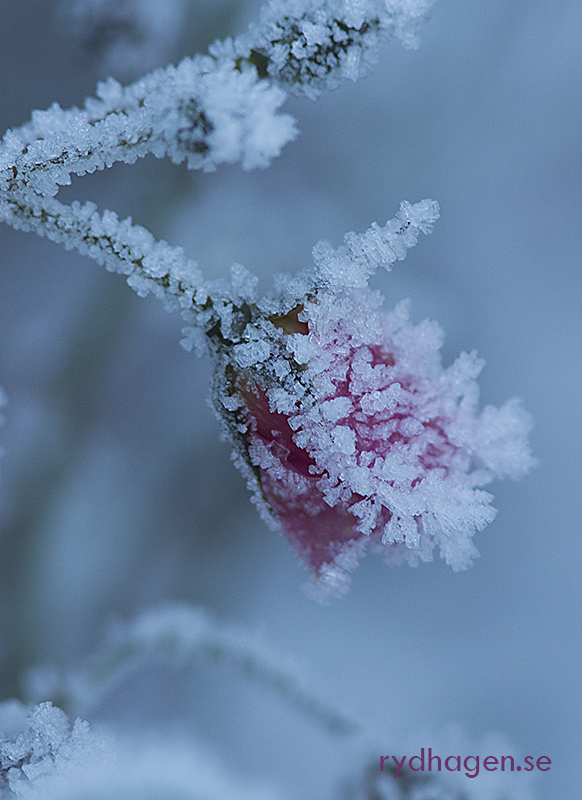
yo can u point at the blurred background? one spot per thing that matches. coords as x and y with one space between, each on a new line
116 493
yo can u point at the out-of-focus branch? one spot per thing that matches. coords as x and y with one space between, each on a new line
177 635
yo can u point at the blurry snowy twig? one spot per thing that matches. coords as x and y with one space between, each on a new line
177 635
51 754
44 755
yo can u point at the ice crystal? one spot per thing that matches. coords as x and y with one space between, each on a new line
38 743
309 45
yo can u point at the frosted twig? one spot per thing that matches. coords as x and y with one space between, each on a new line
309 45
177 635
351 265
151 266
209 109
205 112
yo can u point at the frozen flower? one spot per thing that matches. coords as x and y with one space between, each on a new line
347 426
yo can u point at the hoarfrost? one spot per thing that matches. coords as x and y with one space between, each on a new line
37 744
309 45
42 756
372 442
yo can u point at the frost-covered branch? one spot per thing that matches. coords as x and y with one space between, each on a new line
177 635
151 266
362 253
309 45
212 109
218 308
205 112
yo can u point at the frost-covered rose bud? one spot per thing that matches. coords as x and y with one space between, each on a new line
349 429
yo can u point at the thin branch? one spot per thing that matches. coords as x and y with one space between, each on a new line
151 266
177 635
310 45
210 109
205 112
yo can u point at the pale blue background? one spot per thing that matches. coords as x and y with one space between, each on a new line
117 493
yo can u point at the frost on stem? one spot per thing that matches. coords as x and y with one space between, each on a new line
38 743
347 427
309 45
213 109
178 635
205 112
121 246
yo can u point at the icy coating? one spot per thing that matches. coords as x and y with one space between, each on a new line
38 743
348 427
310 45
210 109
